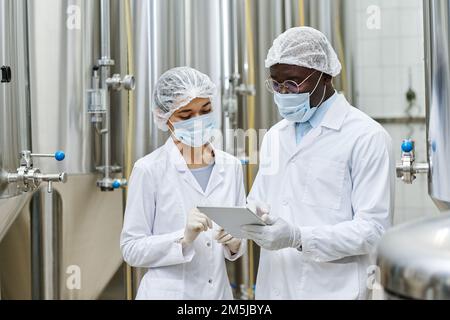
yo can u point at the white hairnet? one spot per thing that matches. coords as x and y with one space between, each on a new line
304 47
175 89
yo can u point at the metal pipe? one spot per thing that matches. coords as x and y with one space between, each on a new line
186 57
401 120
235 35
225 21
36 246
339 44
249 78
227 58
106 138
288 16
301 12
130 135
105 24
230 23
50 246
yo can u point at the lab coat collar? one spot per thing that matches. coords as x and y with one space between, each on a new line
218 172
322 110
175 155
335 116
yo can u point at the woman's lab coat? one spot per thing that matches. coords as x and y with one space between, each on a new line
161 193
337 186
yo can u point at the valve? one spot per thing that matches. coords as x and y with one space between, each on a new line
58 155
407 145
246 89
408 168
119 183
116 83
99 107
108 184
96 98
116 184
29 178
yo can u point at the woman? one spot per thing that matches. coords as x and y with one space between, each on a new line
163 230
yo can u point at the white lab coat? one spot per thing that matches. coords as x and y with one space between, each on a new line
337 186
161 193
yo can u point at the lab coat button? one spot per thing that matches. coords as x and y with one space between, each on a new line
276 292
210 281
285 202
208 244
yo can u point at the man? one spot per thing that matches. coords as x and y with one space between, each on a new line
331 198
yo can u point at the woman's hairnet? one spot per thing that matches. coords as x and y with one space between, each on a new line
175 89
304 47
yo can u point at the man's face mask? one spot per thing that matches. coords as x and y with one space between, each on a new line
296 107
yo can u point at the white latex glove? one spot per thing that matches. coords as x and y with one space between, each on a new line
228 240
196 222
276 235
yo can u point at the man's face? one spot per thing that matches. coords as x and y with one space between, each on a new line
284 72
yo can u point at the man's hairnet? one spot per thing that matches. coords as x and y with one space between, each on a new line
304 47
175 89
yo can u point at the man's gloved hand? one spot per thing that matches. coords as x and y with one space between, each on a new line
196 222
276 235
228 240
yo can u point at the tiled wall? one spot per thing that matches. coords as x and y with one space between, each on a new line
386 57
388 61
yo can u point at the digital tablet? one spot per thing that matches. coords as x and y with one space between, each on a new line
232 218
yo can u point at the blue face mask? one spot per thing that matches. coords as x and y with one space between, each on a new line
296 107
196 131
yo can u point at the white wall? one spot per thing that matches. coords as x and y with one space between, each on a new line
388 60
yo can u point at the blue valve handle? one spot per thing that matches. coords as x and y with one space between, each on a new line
244 161
116 184
60 155
407 146
433 146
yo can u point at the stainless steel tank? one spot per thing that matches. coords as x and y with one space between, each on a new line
437 62
63 39
414 258
14 105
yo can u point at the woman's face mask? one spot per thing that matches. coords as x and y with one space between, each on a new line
296 107
194 132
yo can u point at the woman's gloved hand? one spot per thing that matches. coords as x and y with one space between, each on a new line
228 240
196 222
